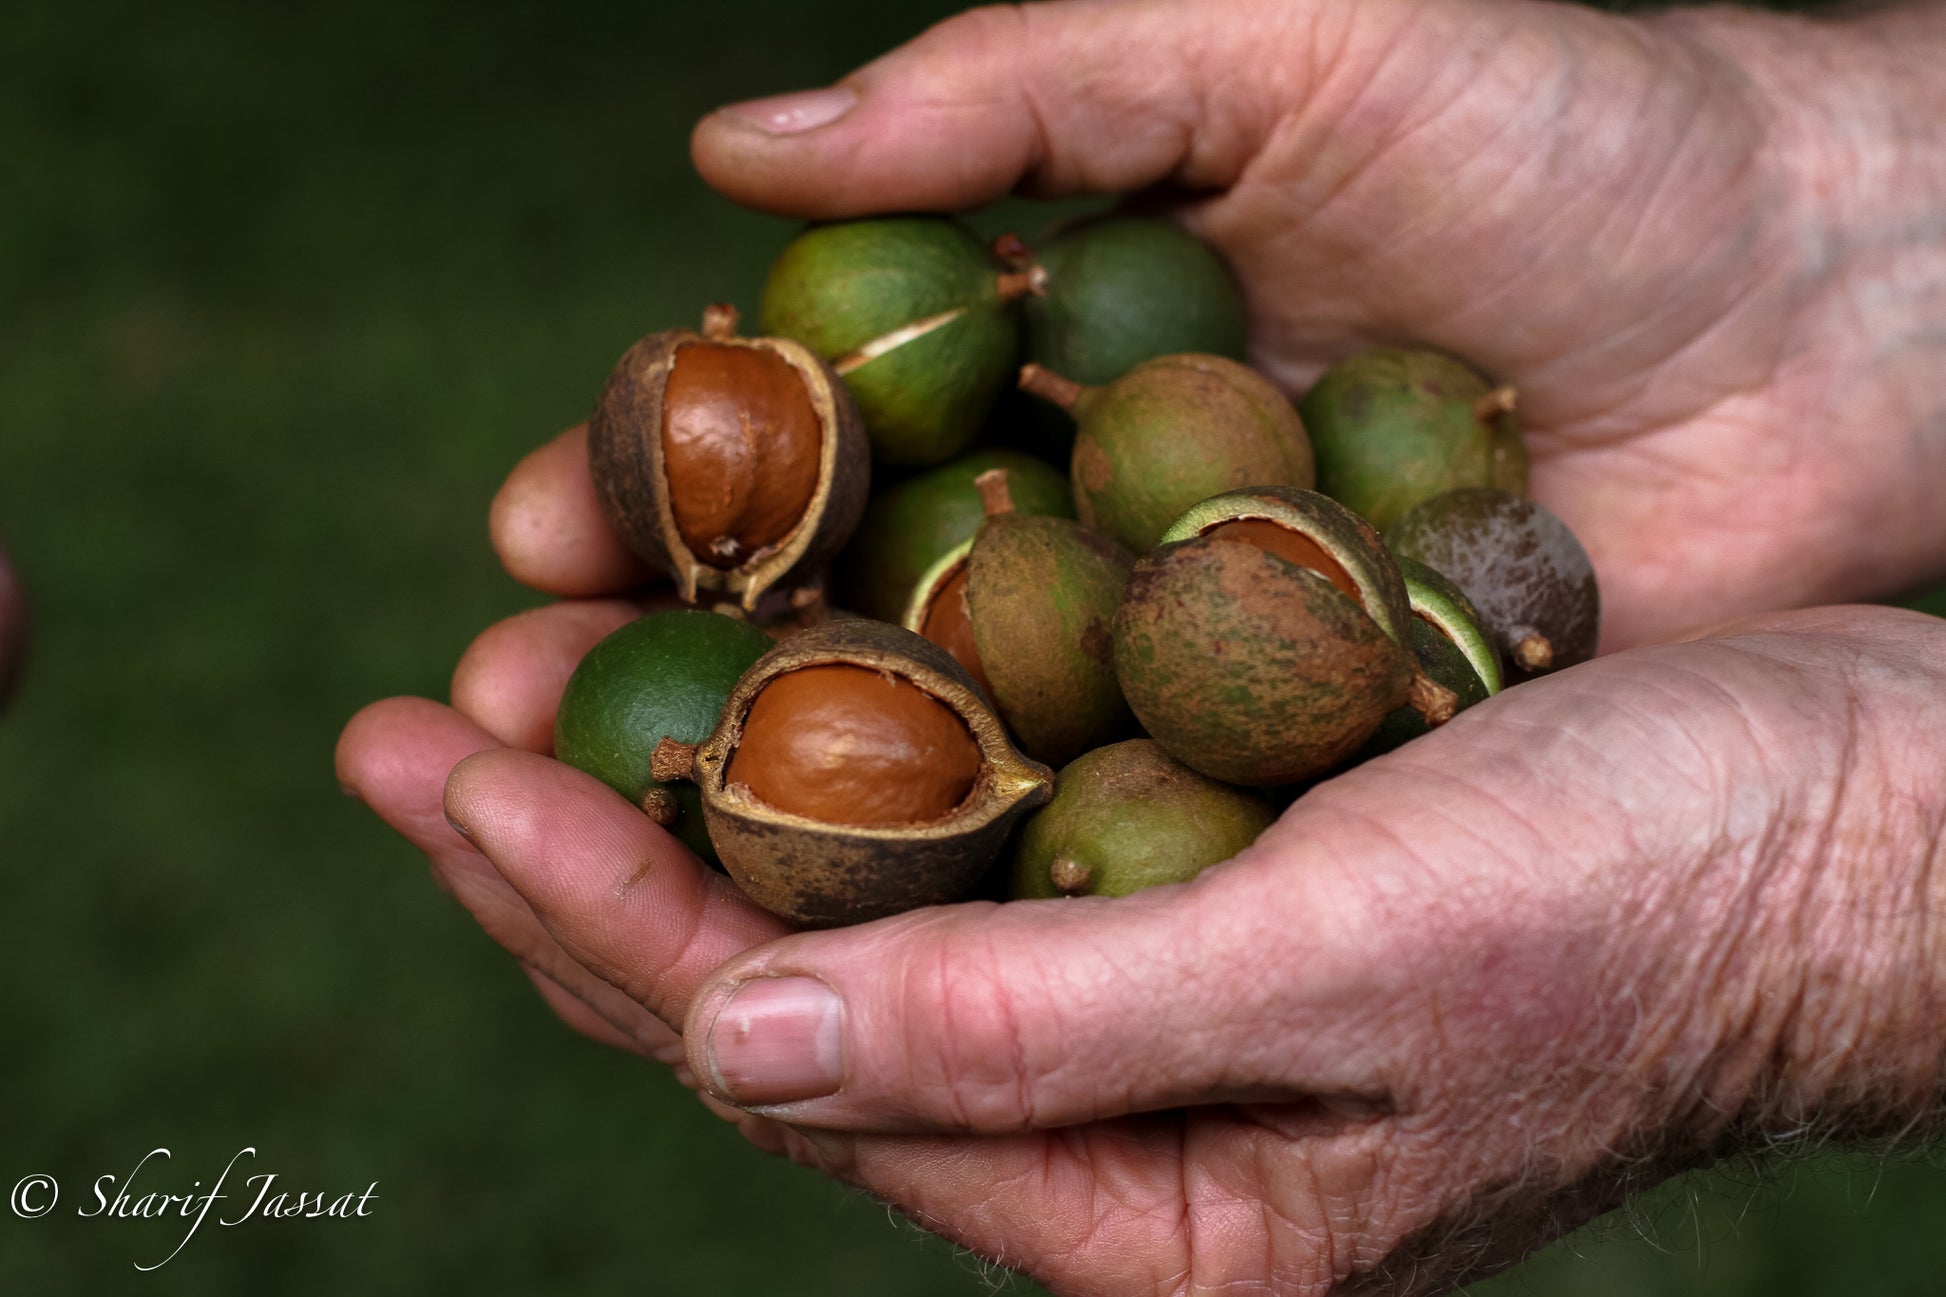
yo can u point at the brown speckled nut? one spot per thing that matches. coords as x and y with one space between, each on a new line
625 454
820 875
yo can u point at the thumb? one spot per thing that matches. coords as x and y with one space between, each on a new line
1043 1013
1085 96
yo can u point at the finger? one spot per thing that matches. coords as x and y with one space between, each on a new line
622 896
548 528
509 681
394 756
1039 1014
576 1014
13 628
1080 97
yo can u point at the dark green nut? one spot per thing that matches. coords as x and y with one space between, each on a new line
663 676
1393 428
1119 290
1129 816
916 316
910 526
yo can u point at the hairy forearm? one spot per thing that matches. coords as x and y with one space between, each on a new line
1846 895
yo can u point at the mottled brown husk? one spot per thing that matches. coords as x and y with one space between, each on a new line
1042 595
1250 669
823 875
1342 534
625 454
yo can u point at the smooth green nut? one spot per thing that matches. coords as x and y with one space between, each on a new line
664 675
1452 647
1129 816
1393 428
1119 290
1444 606
915 316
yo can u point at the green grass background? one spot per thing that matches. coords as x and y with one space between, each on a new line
284 290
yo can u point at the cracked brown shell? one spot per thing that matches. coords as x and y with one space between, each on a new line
625 454
816 874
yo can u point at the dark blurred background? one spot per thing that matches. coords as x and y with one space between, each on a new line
284 291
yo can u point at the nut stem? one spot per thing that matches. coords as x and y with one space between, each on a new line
660 805
1531 651
1501 400
672 761
720 321
1069 876
1050 386
1031 282
1011 251
996 495
1434 702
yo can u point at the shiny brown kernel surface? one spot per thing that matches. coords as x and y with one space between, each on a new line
740 447
949 624
848 745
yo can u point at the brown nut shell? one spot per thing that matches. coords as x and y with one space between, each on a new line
815 873
630 458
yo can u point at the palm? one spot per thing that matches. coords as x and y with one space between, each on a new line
1576 203
1623 217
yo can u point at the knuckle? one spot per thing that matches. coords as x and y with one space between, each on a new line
970 1050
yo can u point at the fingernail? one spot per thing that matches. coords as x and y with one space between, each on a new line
459 828
794 114
777 1040
351 791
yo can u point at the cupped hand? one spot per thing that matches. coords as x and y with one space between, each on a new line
1607 925
1678 236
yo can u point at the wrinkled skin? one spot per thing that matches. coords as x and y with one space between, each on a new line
1608 924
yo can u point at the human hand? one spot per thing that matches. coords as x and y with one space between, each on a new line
1610 924
1699 243
1605 995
